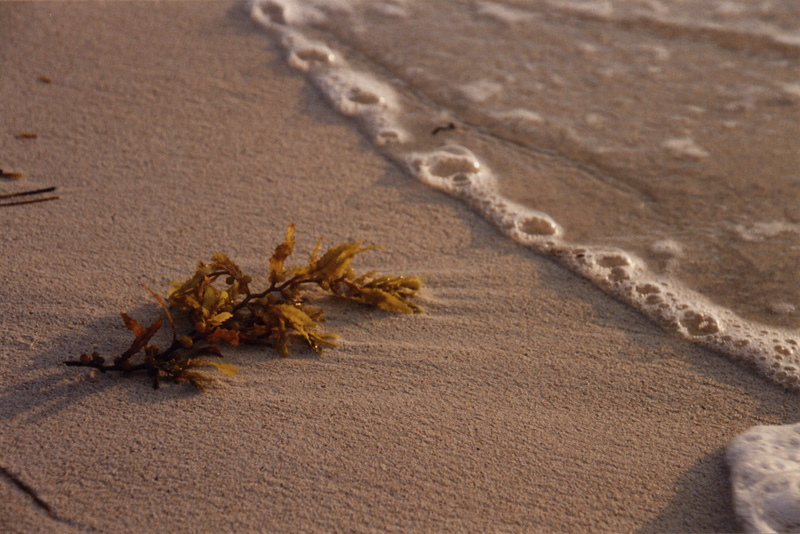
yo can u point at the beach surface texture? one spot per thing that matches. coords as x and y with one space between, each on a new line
523 399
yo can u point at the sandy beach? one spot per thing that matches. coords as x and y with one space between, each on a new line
523 399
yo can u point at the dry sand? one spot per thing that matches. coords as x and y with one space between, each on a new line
523 399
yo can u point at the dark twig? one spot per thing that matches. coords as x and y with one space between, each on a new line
25 193
28 193
450 126
28 490
32 201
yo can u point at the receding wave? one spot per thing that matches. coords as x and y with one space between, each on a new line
759 37
380 107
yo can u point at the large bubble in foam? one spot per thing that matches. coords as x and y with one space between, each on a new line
765 475
455 170
294 13
305 54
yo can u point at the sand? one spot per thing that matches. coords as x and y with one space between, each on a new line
523 399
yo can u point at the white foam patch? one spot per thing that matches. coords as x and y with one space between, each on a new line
781 308
455 170
394 9
765 476
293 13
503 14
667 247
597 8
372 102
762 231
305 54
791 89
659 52
685 147
519 114
730 9
481 90
594 119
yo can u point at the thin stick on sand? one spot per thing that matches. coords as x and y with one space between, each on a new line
27 193
28 490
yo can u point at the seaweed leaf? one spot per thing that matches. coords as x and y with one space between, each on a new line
143 336
224 368
132 324
166 311
282 252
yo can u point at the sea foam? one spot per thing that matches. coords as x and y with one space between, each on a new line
765 474
351 92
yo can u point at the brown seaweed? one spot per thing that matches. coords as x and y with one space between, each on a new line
224 308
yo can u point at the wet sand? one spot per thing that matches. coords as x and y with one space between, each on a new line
522 399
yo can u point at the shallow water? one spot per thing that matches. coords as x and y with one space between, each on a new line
648 146
651 147
643 133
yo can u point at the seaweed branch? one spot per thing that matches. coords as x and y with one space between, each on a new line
223 308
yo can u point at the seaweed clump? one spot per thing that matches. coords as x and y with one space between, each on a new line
223 307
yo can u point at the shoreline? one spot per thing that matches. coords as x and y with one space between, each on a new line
523 397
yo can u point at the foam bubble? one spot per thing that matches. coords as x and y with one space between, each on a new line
536 224
765 476
305 54
606 267
453 169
